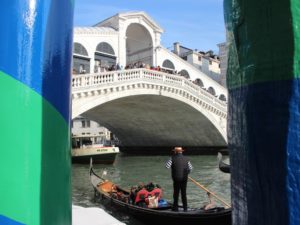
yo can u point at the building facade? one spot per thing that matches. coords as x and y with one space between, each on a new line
209 63
85 128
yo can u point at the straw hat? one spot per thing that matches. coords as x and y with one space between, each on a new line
178 149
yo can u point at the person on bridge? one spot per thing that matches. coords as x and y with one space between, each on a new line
181 167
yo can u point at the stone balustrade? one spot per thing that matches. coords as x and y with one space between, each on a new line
118 81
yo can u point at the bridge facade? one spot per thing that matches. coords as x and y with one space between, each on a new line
150 108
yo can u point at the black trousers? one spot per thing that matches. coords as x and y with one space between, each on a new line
179 186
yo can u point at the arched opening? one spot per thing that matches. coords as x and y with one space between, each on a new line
199 82
105 58
139 46
168 66
212 91
185 74
222 98
81 60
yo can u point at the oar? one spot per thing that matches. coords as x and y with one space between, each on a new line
213 194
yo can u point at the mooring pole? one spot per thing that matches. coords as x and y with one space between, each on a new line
35 59
264 110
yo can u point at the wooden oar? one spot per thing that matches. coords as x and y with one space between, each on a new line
213 194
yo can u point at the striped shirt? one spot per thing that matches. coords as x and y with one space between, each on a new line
169 164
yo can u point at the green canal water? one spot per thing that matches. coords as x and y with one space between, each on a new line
130 170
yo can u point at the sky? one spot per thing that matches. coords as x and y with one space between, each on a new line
195 24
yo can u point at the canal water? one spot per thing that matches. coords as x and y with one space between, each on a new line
129 170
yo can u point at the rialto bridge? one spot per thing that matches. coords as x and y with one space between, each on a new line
150 108
144 107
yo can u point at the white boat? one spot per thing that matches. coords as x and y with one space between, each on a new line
83 150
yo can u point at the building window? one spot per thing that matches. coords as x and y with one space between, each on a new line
210 62
199 58
83 123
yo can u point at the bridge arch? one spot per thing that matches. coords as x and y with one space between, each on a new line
105 48
185 74
222 98
137 84
104 56
212 91
199 82
139 45
81 59
128 111
79 49
168 64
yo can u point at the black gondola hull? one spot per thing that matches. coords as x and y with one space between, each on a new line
166 216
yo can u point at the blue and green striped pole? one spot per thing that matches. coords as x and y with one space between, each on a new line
264 110
35 59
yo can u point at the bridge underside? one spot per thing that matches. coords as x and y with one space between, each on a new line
156 121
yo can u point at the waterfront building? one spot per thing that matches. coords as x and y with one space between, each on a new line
90 130
211 64
223 56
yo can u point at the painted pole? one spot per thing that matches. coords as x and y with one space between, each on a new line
264 110
35 60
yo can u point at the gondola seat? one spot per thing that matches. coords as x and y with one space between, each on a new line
106 186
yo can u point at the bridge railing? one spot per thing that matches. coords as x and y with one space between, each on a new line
83 81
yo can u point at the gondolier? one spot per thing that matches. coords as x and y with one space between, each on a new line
162 214
181 167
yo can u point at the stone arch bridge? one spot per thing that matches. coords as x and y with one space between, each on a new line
150 108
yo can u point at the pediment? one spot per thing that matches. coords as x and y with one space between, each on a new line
141 16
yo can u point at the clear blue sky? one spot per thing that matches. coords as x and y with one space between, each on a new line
196 24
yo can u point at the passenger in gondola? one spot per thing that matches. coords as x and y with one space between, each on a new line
156 192
181 167
141 197
114 191
150 186
211 204
133 192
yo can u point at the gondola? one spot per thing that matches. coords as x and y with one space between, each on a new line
162 215
224 167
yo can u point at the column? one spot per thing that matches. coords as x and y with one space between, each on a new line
35 68
264 104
